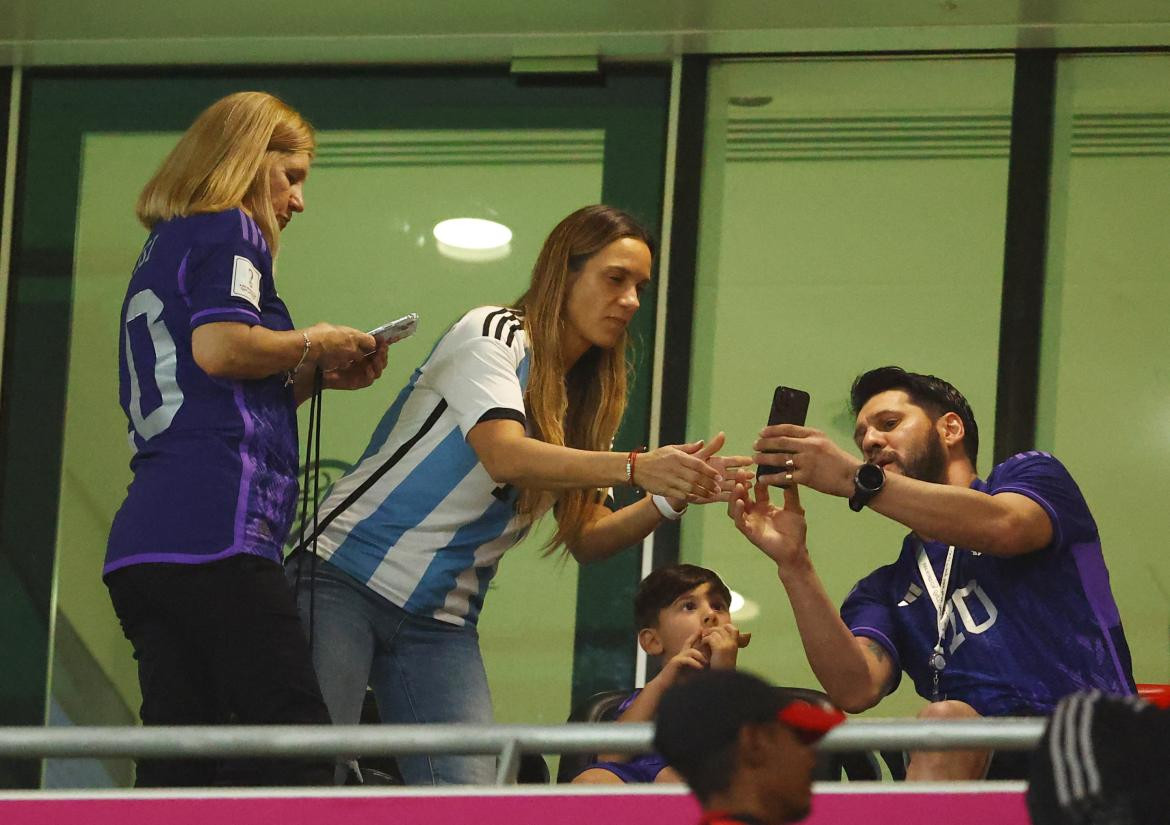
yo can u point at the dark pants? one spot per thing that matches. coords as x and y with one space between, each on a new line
219 643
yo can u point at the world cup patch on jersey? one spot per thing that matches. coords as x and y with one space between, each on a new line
246 281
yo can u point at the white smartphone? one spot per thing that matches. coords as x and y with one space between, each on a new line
397 330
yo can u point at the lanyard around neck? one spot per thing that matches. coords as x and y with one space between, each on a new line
937 590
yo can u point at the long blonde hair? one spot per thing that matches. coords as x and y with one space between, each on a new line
224 159
584 407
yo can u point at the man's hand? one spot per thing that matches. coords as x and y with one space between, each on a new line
724 643
778 531
812 459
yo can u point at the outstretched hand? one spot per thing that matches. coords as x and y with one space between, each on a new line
778 531
728 467
678 472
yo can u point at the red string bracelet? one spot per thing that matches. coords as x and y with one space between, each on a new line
631 460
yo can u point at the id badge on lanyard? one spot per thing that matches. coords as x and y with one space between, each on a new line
937 590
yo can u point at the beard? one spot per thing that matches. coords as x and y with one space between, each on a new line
928 463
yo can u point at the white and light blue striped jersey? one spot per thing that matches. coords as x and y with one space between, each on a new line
418 518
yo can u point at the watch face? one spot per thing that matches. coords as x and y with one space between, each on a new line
870 477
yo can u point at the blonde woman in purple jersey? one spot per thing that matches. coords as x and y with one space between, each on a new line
211 370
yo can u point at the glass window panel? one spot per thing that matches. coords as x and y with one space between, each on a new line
852 216
361 254
1104 406
398 153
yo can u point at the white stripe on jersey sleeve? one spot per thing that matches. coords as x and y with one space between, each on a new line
477 373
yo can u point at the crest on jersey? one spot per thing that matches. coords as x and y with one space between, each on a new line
246 281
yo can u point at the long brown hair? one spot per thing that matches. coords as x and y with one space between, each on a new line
584 407
224 159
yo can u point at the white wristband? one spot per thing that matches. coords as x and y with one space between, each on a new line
667 511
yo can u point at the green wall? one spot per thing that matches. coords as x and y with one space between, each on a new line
1105 399
397 153
362 253
852 215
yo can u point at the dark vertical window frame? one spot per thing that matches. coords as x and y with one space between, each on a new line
1025 252
629 104
25 579
635 154
5 91
605 656
684 262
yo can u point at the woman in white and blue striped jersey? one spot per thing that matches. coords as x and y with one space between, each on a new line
513 412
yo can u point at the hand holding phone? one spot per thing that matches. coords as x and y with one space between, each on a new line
396 330
789 406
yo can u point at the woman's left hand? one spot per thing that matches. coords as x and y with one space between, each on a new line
358 374
727 465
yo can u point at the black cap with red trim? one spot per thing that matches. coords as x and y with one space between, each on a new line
705 712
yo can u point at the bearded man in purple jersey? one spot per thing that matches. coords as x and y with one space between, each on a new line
997 605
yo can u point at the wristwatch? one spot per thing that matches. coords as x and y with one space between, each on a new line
867 483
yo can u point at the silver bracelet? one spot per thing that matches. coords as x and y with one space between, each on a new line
290 377
665 509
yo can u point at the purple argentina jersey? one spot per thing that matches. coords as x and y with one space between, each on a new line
216 459
1023 631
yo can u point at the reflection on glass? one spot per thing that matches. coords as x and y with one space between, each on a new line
1104 395
852 216
360 253
472 239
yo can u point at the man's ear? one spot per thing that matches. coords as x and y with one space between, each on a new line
649 641
950 426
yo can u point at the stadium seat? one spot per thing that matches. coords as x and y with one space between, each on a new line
600 707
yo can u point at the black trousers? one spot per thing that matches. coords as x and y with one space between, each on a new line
219 643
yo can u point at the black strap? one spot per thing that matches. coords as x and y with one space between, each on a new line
313 471
361 489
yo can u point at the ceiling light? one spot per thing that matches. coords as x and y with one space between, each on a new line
473 239
742 609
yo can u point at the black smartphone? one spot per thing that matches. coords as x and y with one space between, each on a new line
789 406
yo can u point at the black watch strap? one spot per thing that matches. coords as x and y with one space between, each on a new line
867 483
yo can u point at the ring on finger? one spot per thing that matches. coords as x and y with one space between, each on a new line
790 464
788 476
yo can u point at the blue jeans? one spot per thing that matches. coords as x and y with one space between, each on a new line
422 670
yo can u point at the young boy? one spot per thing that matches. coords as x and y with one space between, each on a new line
684 612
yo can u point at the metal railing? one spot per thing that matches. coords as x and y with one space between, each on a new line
506 741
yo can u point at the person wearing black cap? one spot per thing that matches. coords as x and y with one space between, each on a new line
744 747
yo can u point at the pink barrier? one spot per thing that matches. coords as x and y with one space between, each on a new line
835 806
